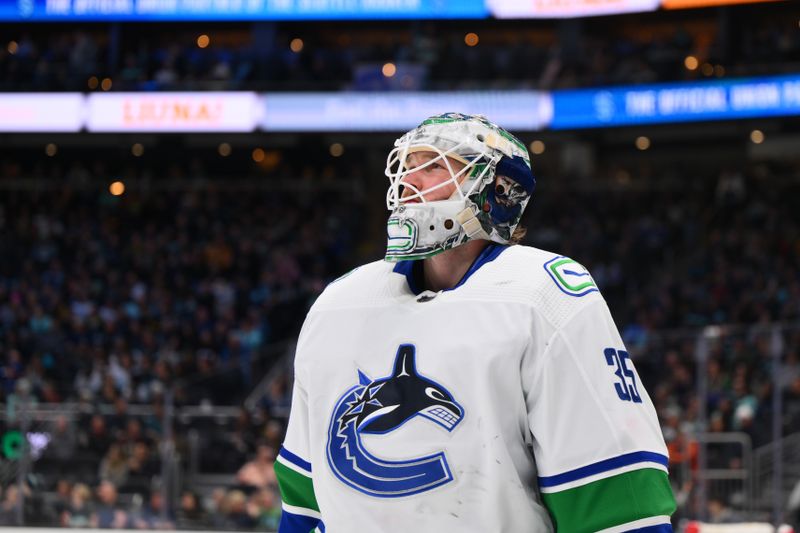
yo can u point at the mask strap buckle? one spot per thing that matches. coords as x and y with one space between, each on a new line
471 224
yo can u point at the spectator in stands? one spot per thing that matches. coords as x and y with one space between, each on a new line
720 457
119 420
107 513
265 509
141 466
682 452
278 396
237 514
82 58
133 434
9 507
154 515
114 466
273 433
152 423
63 439
79 511
131 75
62 500
791 406
166 76
190 514
240 438
216 507
11 370
97 439
258 473
719 513
22 398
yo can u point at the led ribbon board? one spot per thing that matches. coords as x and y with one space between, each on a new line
567 8
167 10
172 112
682 4
676 102
367 112
515 110
41 112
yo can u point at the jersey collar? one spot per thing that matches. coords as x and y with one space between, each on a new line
412 269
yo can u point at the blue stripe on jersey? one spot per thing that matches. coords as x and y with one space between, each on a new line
488 254
406 268
660 528
603 466
296 523
321 526
294 459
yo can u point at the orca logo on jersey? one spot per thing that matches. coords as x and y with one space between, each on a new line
380 406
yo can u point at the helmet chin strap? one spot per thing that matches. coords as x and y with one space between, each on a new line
471 224
467 220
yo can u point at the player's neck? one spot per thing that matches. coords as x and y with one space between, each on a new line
445 270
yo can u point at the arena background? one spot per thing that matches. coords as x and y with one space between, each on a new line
179 180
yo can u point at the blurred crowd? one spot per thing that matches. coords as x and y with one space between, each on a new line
682 253
107 302
672 261
109 299
77 505
715 258
118 309
91 475
425 56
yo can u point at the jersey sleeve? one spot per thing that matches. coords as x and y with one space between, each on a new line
600 454
300 511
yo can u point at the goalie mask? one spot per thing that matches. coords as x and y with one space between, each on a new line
491 190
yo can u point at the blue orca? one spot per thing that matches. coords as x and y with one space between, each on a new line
385 404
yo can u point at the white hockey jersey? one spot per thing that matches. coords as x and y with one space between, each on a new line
506 404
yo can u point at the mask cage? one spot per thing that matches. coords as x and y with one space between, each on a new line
396 171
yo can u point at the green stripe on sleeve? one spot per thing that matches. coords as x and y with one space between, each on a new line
612 501
296 489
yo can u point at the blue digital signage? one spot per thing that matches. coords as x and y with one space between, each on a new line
676 102
187 10
393 111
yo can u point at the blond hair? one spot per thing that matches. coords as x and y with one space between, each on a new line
519 233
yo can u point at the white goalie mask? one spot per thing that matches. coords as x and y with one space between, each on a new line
491 190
